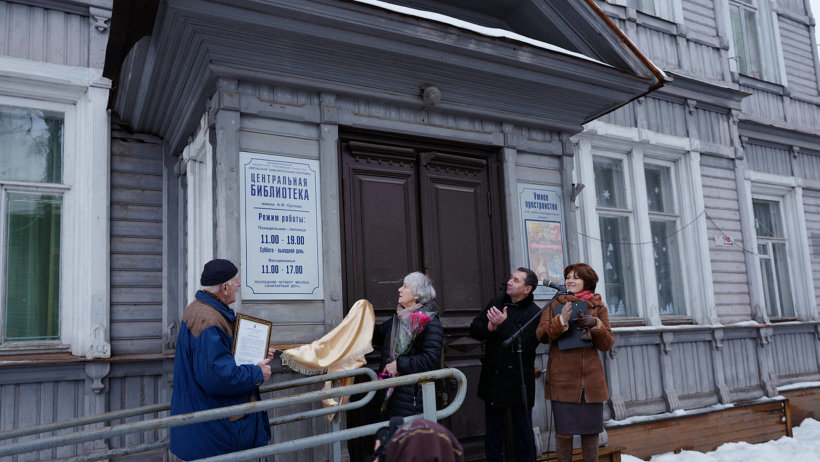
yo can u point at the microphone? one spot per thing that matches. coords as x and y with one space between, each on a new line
558 287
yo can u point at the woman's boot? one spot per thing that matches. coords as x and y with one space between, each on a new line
589 444
563 448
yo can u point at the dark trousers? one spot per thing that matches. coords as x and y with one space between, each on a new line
494 433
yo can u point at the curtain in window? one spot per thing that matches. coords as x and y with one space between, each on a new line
33 267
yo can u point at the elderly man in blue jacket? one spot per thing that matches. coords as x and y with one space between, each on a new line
206 375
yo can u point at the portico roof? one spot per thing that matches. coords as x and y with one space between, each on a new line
555 63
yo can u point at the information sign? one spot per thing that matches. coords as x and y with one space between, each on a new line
281 228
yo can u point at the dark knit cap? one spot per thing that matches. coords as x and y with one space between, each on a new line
217 271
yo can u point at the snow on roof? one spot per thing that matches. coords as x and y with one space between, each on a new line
481 30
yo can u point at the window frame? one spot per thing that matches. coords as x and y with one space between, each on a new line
669 217
698 298
769 241
613 212
773 67
785 191
197 159
81 94
32 187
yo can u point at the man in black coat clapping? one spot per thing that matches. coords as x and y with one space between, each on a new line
500 382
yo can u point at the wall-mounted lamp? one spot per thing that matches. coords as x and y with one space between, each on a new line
430 94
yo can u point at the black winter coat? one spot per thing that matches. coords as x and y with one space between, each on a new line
424 355
500 381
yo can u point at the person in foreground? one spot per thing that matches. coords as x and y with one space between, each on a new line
411 342
576 383
500 382
418 440
206 375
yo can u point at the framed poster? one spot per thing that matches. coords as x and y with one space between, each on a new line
542 220
280 228
251 338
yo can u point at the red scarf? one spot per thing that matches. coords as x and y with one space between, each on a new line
584 295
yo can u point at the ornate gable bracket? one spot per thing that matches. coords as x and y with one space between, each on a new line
717 338
765 335
97 371
666 341
100 19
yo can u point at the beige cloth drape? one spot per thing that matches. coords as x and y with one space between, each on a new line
341 349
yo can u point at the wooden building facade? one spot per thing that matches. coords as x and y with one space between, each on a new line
682 137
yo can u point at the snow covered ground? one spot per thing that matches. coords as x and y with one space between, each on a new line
803 447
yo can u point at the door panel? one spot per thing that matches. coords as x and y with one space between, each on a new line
381 229
456 233
416 205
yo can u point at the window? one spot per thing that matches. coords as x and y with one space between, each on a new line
664 222
614 217
54 209
642 225
619 249
746 37
31 146
774 266
753 39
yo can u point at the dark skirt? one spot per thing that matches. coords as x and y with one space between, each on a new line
578 418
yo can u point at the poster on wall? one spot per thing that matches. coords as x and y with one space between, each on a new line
542 219
280 227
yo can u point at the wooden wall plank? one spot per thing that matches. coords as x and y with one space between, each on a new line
136 247
702 432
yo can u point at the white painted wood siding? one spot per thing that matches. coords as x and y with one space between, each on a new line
763 105
32 403
811 209
624 116
713 126
729 274
44 35
810 168
693 373
665 116
805 115
136 247
699 16
128 392
792 6
798 56
769 159
795 355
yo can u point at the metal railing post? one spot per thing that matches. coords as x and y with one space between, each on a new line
428 396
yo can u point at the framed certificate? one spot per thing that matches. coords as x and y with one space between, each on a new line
251 338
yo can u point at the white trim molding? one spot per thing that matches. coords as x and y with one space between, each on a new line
637 148
81 94
789 194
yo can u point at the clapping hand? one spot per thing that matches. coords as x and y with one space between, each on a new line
495 318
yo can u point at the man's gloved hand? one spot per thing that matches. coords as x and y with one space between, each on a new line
585 321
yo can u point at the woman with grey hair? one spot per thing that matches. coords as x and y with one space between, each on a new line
411 342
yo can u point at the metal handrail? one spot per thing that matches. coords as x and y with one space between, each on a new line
273 403
155 408
428 394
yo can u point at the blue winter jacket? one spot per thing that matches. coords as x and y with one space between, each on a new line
206 377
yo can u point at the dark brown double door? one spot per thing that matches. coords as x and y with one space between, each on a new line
419 205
